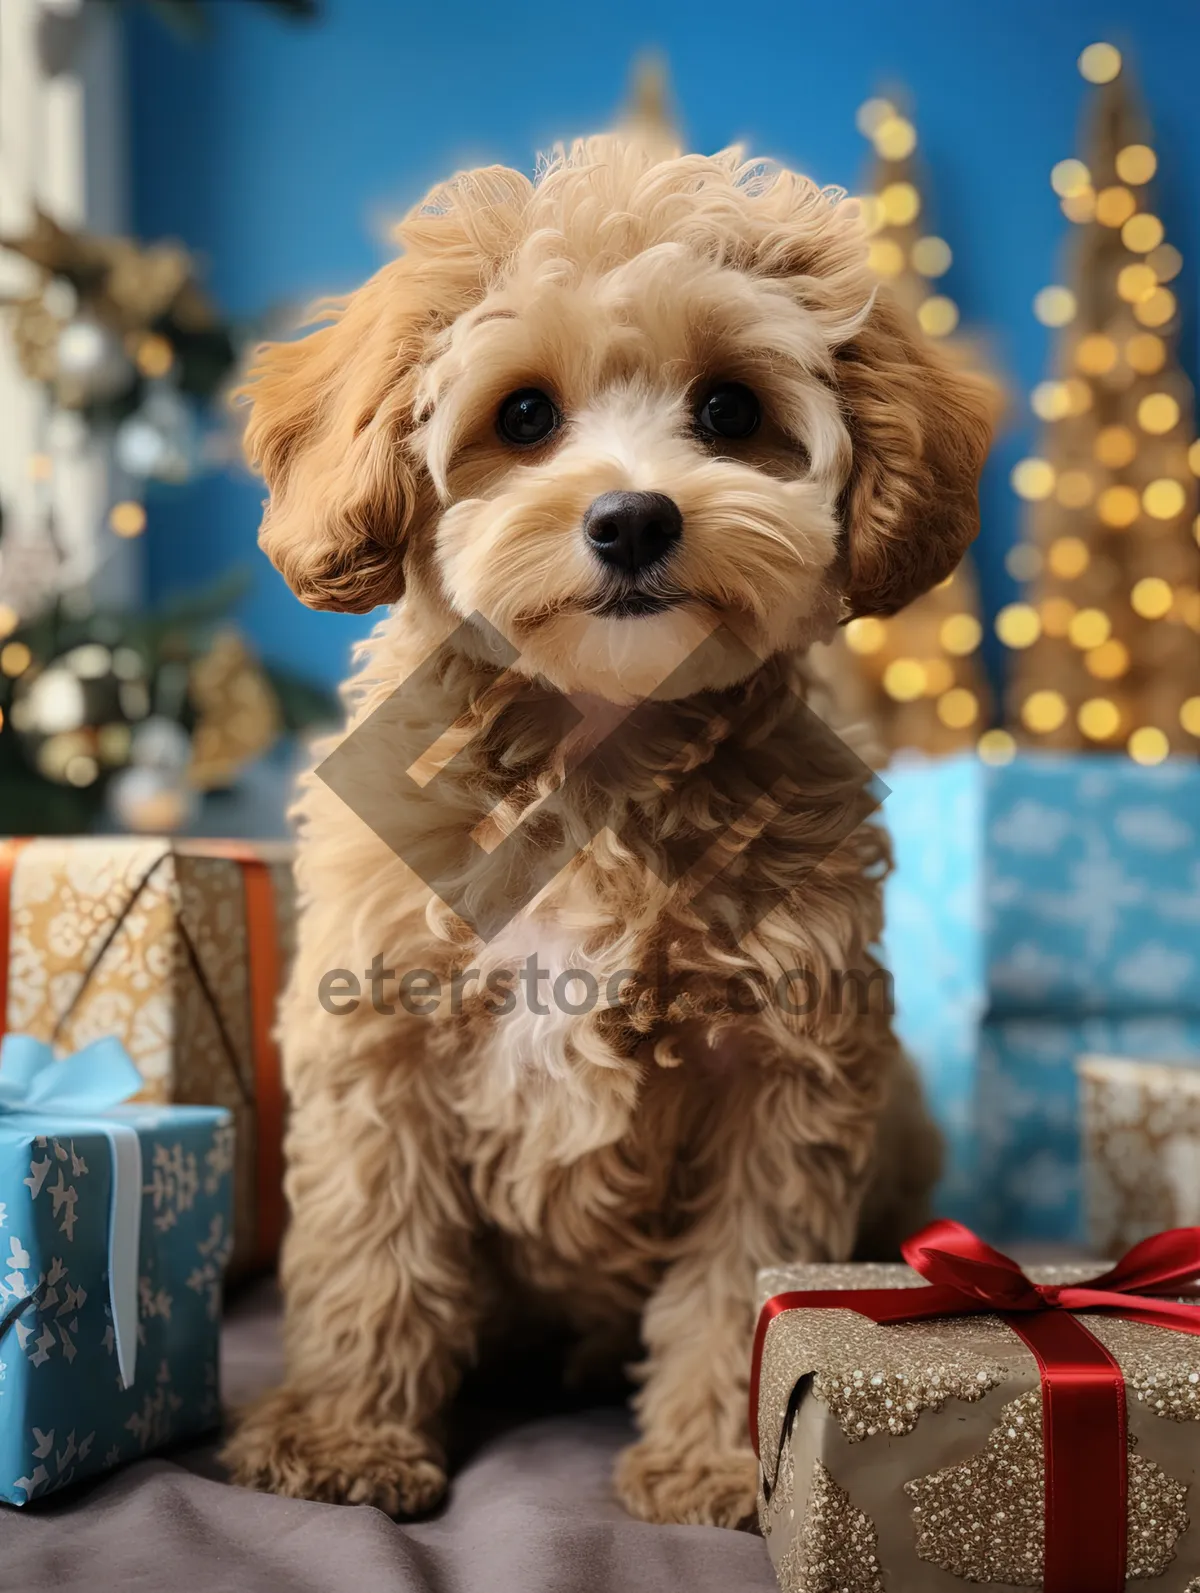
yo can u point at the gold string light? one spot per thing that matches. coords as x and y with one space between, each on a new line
996 747
1096 354
871 113
1148 745
1081 207
958 708
1164 499
15 659
1070 177
904 679
939 676
1068 557
960 634
1137 283
1141 234
1018 625
1166 262
900 203
154 355
865 635
1158 413
1089 627
1152 597
1100 63
1050 401
1114 206
931 257
1044 711
894 138
1054 305
1033 479
127 519
1099 719
1156 309
1118 507
1109 661
1136 164
885 257
1146 353
919 667
938 316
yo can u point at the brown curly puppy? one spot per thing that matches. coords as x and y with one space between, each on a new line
619 443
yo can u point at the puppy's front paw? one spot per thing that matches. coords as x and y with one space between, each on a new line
714 1490
305 1450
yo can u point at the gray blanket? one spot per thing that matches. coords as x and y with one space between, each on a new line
531 1510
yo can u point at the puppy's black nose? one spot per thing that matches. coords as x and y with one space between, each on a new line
632 530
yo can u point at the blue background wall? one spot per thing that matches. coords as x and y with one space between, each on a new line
278 152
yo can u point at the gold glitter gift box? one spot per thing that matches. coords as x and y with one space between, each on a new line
908 1458
177 948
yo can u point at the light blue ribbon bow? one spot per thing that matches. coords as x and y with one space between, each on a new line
61 1096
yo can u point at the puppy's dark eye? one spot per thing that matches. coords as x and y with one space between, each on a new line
527 417
730 410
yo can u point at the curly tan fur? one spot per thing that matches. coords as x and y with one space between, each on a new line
629 1167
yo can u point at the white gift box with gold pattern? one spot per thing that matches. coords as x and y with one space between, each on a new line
908 1458
178 949
1141 1148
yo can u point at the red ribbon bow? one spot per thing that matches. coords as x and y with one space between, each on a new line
1083 1392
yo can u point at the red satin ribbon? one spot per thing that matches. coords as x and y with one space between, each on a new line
262 933
1083 1392
264 977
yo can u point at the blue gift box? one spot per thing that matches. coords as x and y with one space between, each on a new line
1038 910
65 1412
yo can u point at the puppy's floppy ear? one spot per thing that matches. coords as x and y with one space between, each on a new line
329 418
920 428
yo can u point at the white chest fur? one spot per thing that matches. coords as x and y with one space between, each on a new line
542 1070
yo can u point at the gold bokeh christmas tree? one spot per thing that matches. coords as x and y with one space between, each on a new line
919 681
1106 646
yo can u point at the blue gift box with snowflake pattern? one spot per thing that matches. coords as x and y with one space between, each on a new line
1038 910
64 1412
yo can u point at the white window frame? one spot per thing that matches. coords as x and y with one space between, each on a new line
63 150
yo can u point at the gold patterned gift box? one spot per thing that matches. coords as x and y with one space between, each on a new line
908 1458
178 949
1141 1148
